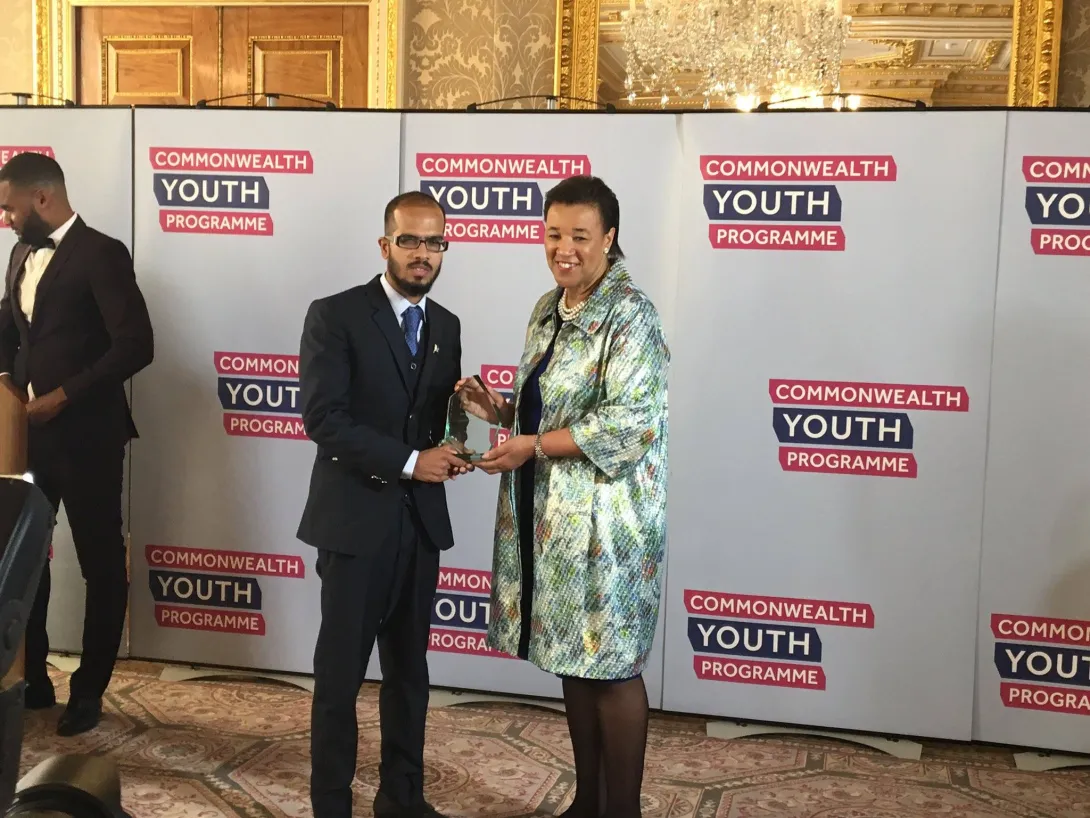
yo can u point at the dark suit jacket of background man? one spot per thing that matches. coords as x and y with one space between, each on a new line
90 333
366 422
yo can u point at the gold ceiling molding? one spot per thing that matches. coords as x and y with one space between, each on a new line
910 55
1035 55
55 41
906 83
906 55
987 77
990 55
575 71
866 78
939 10
953 83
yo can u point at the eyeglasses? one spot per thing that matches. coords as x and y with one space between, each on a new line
434 244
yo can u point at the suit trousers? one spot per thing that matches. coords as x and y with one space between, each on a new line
88 481
386 595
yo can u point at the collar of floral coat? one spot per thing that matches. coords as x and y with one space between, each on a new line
615 284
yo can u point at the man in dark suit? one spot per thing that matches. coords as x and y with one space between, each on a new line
73 329
377 365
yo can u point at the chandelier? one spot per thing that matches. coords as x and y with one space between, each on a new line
742 52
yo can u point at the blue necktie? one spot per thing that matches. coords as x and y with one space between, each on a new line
413 316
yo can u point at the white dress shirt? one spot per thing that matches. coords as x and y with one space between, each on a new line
33 270
399 304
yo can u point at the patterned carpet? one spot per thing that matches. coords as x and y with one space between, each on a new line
219 749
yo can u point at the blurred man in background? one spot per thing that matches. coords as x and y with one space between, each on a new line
74 328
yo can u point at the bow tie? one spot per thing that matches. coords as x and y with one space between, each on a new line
45 244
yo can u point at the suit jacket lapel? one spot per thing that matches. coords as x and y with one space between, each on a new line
384 317
435 336
15 276
56 263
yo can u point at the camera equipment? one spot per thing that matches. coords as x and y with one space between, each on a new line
67 785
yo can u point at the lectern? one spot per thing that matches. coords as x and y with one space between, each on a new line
13 433
13 461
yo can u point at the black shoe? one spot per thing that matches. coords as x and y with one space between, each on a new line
80 716
39 696
386 807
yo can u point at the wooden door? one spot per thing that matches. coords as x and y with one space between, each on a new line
147 56
315 52
177 55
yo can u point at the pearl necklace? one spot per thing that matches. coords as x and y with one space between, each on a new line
569 313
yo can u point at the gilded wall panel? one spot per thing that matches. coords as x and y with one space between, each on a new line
525 41
1075 55
16 48
458 52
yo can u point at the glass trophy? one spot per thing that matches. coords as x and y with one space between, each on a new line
470 434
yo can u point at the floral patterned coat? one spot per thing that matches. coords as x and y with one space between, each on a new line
599 520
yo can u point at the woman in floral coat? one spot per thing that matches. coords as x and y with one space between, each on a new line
581 521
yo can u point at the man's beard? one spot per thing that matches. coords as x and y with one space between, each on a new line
34 231
408 285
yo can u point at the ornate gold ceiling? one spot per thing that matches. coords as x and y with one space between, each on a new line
945 54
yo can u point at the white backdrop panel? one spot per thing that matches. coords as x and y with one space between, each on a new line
294 201
829 412
94 148
493 274
1034 638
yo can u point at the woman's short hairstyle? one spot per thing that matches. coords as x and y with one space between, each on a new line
590 190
